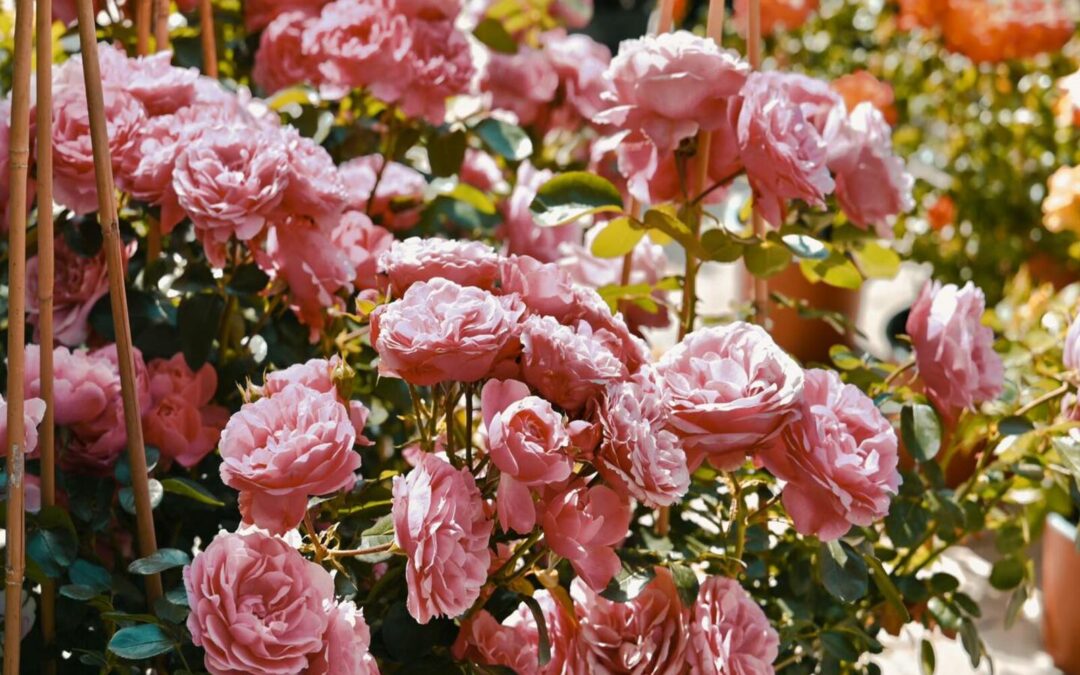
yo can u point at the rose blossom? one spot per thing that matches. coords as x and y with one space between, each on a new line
522 83
732 391
363 243
324 376
729 633
780 146
871 182
280 450
429 10
544 288
861 87
646 636
480 170
259 13
257 606
568 365
182 422
314 186
160 86
584 524
398 190
83 386
347 644
439 331
515 643
33 413
520 231
228 181
440 66
839 459
580 63
280 62
79 283
467 263
1070 355
953 350
439 523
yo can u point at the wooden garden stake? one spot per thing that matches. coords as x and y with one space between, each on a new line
143 12
161 25
20 166
209 39
114 258
753 49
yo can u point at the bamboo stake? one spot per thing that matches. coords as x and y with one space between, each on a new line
209 39
667 16
753 49
114 259
20 165
143 10
161 25
46 267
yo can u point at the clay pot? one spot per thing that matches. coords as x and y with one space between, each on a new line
1061 612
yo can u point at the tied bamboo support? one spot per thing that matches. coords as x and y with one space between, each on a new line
114 258
17 207
143 19
161 25
753 49
46 269
209 39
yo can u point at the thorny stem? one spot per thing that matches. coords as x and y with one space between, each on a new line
309 525
348 553
468 425
418 409
518 552
1048 396
908 365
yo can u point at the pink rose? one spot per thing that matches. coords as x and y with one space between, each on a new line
440 66
439 331
479 169
572 13
1070 355
259 13
161 87
515 643
257 606
580 63
182 422
780 146
584 525
82 386
439 523
33 413
871 182
314 186
732 391
545 288
324 376
347 643
280 450
79 283
637 454
468 263
729 633
522 83
229 180
280 62
520 231
953 350
568 365
398 190
429 10
646 636
839 459
363 244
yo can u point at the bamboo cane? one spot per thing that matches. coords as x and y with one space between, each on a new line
114 259
143 12
161 25
753 51
17 206
209 39
667 16
46 260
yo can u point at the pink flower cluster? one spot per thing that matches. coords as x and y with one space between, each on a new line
257 606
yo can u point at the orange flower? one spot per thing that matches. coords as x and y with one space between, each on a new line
990 32
941 213
861 86
775 14
925 13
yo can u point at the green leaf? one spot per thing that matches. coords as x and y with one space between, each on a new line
906 523
686 582
804 246
79 592
617 238
159 561
379 534
927 658
877 261
247 280
544 651
843 571
127 496
504 139
1015 425
840 645
185 487
1068 448
630 581
886 586
140 642
54 545
843 357
446 152
720 246
88 574
492 33
197 320
572 195
920 429
1007 573
836 270
969 638
767 258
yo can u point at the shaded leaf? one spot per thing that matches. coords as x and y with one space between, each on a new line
843 571
504 139
572 195
920 429
617 238
185 487
159 561
140 642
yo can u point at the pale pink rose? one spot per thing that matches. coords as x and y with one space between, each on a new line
440 66
257 606
439 331
732 391
229 181
429 10
522 83
780 146
82 386
33 413
568 365
347 645
515 643
954 351
259 13
467 263
839 459
161 87
671 86
314 186
637 454
398 190
478 169
580 63
545 288
182 422
440 525
361 45
73 160
729 632
1070 355
646 636
363 244
584 525
610 329
280 450
324 376
79 283
520 231
280 62
872 185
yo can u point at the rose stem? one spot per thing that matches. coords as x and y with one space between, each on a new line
114 258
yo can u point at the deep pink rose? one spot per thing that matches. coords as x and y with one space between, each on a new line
33 413
580 63
82 386
314 186
839 459
257 606
363 244
638 454
520 231
280 450
259 13
671 86
398 190
646 636
523 83
280 62
440 524
729 632
515 643
182 422
467 263
584 525
440 66
871 182
229 180
780 146
324 376
953 350
79 283
439 331
732 391
568 365
478 169
346 645
429 10
1070 355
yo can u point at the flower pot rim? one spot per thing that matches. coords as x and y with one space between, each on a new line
1062 524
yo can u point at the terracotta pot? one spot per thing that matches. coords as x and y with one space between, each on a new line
1061 611
806 339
